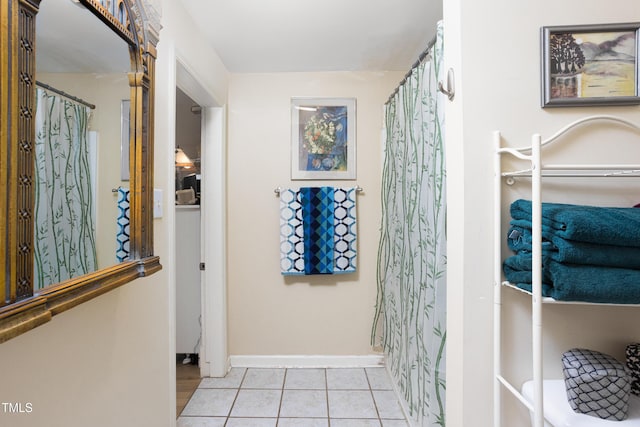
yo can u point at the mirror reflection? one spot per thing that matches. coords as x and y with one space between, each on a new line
81 126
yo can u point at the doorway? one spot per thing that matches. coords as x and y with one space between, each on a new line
188 174
208 116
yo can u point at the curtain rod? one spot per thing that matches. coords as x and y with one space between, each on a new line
66 95
421 58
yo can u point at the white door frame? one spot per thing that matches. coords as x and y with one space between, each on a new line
213 345
214 359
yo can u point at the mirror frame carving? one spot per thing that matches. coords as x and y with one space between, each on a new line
20 308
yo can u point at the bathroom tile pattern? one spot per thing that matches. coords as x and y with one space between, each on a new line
295 397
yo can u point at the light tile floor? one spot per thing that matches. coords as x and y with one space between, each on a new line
257 397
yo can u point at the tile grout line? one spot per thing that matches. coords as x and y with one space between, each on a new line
326 390
373 398
284 381
244 375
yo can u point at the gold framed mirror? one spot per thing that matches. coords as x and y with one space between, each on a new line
25 304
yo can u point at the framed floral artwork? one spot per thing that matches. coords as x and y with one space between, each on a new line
590 65
323 135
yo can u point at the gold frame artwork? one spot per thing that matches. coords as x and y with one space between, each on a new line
22 309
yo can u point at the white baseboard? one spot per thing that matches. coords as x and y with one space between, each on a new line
302 361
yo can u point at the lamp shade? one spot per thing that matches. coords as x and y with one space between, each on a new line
182 160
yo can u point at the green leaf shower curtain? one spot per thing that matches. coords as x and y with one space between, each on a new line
64 202
412 253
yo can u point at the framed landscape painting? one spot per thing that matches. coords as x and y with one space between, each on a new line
323 138
587 65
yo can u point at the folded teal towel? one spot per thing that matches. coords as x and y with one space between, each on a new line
602 225
517 270
573 252
570 282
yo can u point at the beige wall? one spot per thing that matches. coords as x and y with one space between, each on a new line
268 313
103 363
496 60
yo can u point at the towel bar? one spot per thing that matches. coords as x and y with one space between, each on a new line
277 190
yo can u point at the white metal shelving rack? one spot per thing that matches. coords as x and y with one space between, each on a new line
537 170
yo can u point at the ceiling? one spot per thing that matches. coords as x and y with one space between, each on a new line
255 36
61 49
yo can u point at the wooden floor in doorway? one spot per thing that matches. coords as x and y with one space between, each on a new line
187 381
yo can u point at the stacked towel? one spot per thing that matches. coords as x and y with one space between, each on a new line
317 230
592 224
589 253
573 252
577 282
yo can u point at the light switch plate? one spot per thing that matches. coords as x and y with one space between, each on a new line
157 203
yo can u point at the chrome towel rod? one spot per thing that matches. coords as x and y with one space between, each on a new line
277 190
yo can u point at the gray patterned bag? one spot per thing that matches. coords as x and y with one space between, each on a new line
597 384
633 364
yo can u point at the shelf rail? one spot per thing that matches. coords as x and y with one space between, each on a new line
536 172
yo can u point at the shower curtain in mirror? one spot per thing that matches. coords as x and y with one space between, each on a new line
412 252
64 202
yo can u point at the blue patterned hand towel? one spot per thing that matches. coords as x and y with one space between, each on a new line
317 230
122 233
317 221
